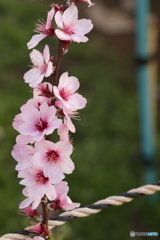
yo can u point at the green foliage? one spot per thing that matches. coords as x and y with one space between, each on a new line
106 141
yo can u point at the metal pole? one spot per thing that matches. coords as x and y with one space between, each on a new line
146 115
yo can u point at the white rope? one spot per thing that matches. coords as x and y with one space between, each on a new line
86 211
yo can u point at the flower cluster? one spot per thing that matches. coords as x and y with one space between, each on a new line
42 163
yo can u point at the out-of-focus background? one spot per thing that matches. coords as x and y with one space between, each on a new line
107 140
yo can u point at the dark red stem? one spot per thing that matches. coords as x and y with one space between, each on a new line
45 215
58 64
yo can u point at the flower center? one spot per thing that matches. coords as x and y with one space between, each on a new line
42 68
41 125
69 29
55 205
52 156
41 178
65 93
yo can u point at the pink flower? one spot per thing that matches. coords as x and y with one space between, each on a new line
54 158
29 212
87 1
44 29
43 89
39 229
22 154
70 28
66 93
43 67
37 185
38 123
62 201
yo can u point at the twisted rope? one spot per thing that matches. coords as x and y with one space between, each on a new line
90 209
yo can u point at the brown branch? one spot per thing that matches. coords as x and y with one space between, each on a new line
45 215
58 64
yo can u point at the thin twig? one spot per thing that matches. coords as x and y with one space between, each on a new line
45 215
58 64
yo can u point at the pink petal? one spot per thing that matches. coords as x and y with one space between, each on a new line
62 36
25 203
28 129
39 136
27 182
49 69
49 18
44 144
50 191
16 153
34 76
51 170
84 26
73 84
31 75
31 116
35 40
61 188
17 121
39 159
66 165
47 113
77 101
79 38
46 54
56 123
35 204
37 191
22 165
69 124
59 20
64 148
70 15
57 93
36 58
68 204
20 139
63 81
38 80
63 132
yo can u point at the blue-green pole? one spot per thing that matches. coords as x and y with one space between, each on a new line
145 102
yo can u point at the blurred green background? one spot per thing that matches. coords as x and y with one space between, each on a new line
107 139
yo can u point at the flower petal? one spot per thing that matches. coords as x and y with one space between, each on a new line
46 54
33 76
35 40
47 113
50 191
49 18
49 69
37 58
25 203
62 36
58 19
79 38
70 15
84 26
28 129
